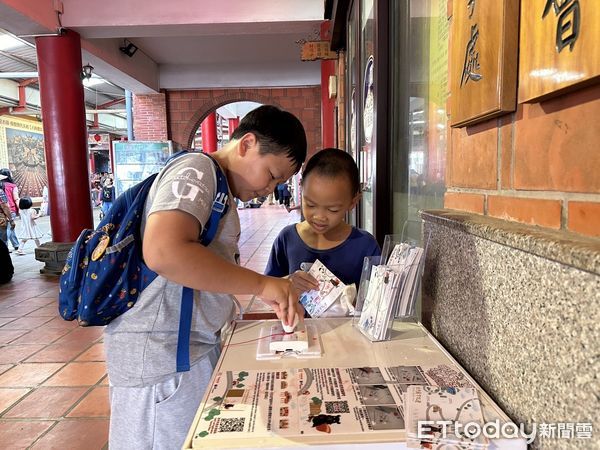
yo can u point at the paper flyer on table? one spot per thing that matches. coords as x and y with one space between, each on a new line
311 402
436 404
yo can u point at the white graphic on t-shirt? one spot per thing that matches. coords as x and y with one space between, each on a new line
190 181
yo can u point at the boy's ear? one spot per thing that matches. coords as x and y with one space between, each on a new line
246 143
355 201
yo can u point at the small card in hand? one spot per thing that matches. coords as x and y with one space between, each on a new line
330 288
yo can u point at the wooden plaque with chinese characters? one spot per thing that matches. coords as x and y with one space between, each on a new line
313 50
560 46
483 65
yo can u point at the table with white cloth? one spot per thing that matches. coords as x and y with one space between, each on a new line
256 404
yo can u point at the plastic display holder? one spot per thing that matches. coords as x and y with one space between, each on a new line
389 243
389 291
376 301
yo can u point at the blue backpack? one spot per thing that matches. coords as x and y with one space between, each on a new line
104 273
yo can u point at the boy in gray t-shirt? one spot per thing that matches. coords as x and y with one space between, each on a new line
152 405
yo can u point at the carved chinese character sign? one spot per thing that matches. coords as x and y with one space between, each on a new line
313 50
484 59
559 46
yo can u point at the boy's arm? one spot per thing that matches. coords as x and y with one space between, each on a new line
278 266
171 249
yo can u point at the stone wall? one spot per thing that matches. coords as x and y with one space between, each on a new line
519 307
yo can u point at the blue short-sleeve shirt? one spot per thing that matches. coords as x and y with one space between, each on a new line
345 260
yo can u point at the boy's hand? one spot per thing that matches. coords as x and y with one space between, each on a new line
303 281
283 298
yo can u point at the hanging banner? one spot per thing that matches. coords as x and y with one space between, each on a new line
483 60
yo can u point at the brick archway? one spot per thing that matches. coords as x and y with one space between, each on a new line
210 106
187 109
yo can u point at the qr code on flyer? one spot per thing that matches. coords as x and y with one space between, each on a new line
337 407
231 425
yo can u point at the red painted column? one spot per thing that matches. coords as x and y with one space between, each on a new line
92 162
327 104
209 133
65 134
233 124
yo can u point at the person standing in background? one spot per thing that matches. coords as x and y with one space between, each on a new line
45 206
12 197
29 229
108 195
6 266
6 219
284 194
96 194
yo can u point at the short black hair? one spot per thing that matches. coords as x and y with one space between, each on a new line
6 172
332 162
277 131
25 203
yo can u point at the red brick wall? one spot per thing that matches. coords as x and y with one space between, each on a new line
150 117
177 114
539 165
187 109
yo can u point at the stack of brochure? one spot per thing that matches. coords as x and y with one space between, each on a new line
380 302
316 302
443 417
389 290
406 259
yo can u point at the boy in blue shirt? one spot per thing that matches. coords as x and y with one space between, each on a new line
152 405
330 189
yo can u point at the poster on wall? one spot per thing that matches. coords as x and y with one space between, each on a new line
136 160
559 47
22 151
483 60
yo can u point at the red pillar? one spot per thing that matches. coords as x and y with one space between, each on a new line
327 104
92 162
65 134
209 133
233 124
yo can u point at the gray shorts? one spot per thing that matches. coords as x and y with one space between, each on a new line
159 416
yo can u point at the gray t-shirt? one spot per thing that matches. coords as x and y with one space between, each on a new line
141 345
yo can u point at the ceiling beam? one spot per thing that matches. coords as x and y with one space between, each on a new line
19 60
37 17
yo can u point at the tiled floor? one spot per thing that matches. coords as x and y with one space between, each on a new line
53 383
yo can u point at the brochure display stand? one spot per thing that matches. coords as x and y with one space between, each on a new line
389 288
351 397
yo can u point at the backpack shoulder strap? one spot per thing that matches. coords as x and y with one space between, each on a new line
220 205
219 209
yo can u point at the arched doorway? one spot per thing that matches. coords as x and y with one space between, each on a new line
223 121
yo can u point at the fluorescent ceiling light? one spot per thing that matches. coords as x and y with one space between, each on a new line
8 42
93 81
